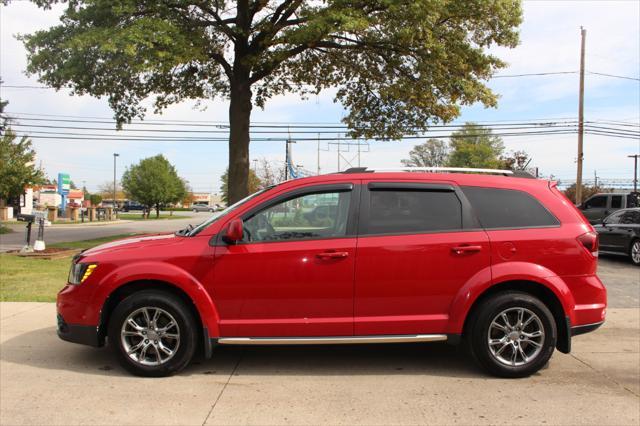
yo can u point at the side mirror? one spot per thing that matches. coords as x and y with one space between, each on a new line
234 232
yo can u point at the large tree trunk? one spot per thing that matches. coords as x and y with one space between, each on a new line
239 119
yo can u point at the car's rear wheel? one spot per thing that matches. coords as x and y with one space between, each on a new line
511 334
152 333
634 252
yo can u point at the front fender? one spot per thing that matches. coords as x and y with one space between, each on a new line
169 274
501 273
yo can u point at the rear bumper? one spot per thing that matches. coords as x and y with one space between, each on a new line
587 328
82 334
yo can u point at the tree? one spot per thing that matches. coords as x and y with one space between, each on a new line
398 66
269 173
153 182
105 189
17 167
432 153
516 160
475 146
17 162
95 199
254 185
587 191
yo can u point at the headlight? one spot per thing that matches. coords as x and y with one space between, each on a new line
80 272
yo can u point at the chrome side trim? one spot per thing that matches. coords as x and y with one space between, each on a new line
337 340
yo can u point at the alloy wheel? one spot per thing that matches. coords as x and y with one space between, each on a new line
150 336
516 336
635 252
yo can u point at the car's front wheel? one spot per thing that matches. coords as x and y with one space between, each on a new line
512 334
152 333
634 252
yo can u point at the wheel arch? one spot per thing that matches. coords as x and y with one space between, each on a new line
204 324
538 290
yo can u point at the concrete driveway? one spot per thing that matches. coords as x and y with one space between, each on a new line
46 381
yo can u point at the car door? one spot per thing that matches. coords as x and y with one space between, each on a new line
594 208
607 232
626 230
417 246
291 275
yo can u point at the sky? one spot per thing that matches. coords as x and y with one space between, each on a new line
549 42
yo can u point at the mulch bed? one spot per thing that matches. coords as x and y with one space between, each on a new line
48 253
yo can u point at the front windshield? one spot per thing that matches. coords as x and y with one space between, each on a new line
224 212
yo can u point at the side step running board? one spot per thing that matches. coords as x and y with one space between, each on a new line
338 340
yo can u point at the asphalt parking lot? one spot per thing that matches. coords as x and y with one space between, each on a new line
46 381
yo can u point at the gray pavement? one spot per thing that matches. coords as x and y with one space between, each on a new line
77 232
46 381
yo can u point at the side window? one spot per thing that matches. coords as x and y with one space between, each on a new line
597 202
317 215
614 218
631 217
392 211
616 201
507 208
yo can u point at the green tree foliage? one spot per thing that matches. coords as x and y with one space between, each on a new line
398 66
17 166
476 146
17 162
255 184
95 199
432 153
153 182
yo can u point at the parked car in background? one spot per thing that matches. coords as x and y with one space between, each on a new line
505 265
620 234
599 206
131 205
202 208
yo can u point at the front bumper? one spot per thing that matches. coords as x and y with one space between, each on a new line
83 334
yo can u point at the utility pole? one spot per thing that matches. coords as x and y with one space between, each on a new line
115 155
635 171
595 177
583 34
318 171
338 152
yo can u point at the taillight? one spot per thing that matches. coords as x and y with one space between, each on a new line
590 242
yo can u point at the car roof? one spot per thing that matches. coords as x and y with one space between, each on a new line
462 179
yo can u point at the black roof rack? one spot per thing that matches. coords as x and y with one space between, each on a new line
514 173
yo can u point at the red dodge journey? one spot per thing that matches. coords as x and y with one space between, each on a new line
495 260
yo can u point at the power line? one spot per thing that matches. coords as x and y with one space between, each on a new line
613 75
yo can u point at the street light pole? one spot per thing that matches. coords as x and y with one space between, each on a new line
115 155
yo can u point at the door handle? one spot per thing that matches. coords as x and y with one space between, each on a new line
332 255
465 249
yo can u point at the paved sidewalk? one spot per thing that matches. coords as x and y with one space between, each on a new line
46 381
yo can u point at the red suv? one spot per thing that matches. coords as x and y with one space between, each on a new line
502 263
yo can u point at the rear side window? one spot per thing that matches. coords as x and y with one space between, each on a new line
616 201
597 202
393 211
507 208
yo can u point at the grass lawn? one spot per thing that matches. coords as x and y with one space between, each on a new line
24 279
5 230
152 216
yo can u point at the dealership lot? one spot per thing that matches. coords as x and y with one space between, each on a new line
45 380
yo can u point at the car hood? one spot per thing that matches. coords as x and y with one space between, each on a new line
130 243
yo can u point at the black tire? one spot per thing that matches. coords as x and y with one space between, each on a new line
477 334
186 327
634 242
